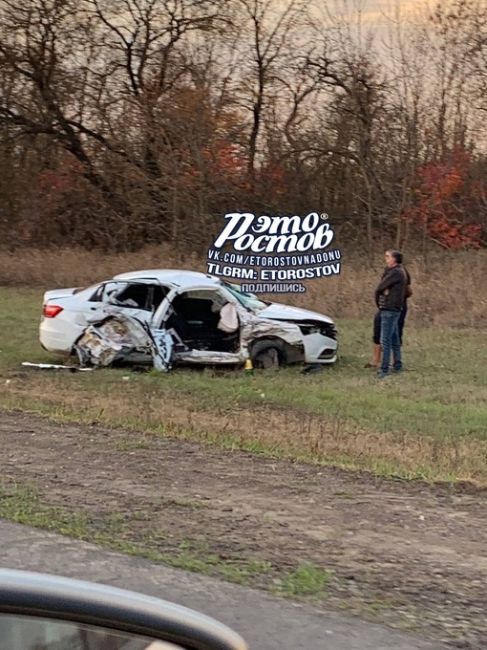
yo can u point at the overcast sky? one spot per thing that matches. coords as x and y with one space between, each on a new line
373 11
375 17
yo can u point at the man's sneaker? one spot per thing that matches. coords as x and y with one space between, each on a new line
382 375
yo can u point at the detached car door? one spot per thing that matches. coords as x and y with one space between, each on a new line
192 316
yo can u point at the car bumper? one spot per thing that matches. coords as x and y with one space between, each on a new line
54 340
320 349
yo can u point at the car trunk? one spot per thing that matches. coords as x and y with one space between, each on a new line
54 294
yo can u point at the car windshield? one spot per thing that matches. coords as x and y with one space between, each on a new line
248 300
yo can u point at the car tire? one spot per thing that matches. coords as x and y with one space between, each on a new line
267 355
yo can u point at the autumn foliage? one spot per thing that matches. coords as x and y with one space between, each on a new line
143 122
446 193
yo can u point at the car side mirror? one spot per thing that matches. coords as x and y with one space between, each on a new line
44 612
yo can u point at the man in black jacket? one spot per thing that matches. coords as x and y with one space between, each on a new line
377 350
390 297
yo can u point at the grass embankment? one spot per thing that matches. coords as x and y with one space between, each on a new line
429 422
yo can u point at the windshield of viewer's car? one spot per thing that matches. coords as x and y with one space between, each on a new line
248 300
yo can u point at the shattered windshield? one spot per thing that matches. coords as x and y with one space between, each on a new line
248 300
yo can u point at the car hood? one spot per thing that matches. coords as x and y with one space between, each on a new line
277 311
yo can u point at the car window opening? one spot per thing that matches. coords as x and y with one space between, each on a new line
139 296
195 319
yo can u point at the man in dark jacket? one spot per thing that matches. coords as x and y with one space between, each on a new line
377 350
390 297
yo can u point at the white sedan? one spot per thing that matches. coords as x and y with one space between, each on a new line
210 320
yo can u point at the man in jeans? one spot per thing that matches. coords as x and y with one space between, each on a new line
377 350
389 297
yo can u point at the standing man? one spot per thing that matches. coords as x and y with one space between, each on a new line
377 350
390 296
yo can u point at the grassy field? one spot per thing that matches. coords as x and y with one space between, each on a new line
429 422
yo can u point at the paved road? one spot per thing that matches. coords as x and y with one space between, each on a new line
266 623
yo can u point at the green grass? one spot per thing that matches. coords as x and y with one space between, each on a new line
430 421
21 504
305 580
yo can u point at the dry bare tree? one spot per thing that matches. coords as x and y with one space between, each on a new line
95 77
266 34
128 122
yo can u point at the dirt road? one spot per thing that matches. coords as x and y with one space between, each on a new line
406 553
265 622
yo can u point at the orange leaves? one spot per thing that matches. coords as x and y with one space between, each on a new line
228 159
445 195
455 236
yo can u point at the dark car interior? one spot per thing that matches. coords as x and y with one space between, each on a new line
195 320
141 296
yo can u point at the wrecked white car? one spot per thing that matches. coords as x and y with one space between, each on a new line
175 316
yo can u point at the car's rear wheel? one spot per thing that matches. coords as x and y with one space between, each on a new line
267 355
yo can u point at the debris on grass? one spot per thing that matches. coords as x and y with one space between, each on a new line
53 366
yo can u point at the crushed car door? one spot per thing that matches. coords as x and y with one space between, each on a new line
204 323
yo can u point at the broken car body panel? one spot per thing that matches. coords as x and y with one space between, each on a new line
119 335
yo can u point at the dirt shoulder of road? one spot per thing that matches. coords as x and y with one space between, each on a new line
405 553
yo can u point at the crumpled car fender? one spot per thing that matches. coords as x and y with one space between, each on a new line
116 336
255 328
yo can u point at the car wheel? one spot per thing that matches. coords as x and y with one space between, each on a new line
266 355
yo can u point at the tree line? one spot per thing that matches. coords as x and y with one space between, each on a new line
126 122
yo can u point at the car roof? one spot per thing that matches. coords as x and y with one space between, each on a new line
175 277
